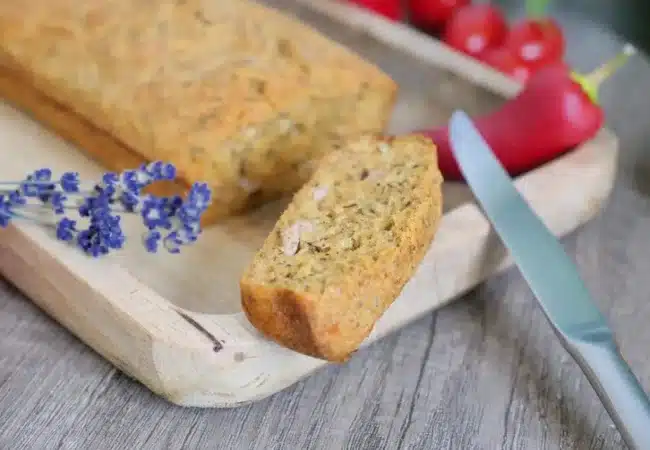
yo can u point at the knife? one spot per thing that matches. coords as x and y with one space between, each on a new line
555 282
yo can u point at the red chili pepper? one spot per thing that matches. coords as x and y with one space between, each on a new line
475 28
556 111
536 42
505 62
433 14
390 9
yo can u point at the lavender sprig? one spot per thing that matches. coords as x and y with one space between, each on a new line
170 221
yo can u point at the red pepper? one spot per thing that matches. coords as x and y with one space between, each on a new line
433 14
536 42
390 9
556 111
507 63
475 28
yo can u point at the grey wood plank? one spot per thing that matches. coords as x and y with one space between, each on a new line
483 373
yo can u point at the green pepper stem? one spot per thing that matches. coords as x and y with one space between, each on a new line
536 8
591 82
599 75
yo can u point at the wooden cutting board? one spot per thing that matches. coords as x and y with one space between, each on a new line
174 322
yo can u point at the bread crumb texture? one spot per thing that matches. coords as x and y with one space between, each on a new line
345 246
230 91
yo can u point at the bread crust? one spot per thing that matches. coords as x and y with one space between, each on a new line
231 92
333 324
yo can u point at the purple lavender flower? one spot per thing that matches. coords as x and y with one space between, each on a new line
38 184
179 218
152 241
69 182
17 199
57 200
159 170
154 213
6 212
66 229
8 205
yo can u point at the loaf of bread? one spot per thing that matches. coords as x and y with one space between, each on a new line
233 93
345 246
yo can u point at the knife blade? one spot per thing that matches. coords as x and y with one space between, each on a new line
555 283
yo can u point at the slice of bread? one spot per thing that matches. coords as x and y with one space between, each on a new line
231 92
346 245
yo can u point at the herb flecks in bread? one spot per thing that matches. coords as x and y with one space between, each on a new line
231 92
345 246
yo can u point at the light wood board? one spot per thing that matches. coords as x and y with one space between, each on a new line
174 322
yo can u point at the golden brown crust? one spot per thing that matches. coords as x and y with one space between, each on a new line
98 145
282 315
231 92
333 322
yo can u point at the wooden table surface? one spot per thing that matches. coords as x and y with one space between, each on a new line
485 372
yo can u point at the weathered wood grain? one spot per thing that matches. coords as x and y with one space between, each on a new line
483 373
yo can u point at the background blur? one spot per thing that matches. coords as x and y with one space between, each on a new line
627 18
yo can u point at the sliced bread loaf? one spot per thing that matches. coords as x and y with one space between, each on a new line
232 92
346 245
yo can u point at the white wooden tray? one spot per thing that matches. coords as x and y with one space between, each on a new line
174 322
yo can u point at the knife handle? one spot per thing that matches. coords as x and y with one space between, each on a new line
619 390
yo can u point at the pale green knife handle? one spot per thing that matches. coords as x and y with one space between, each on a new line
619 390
